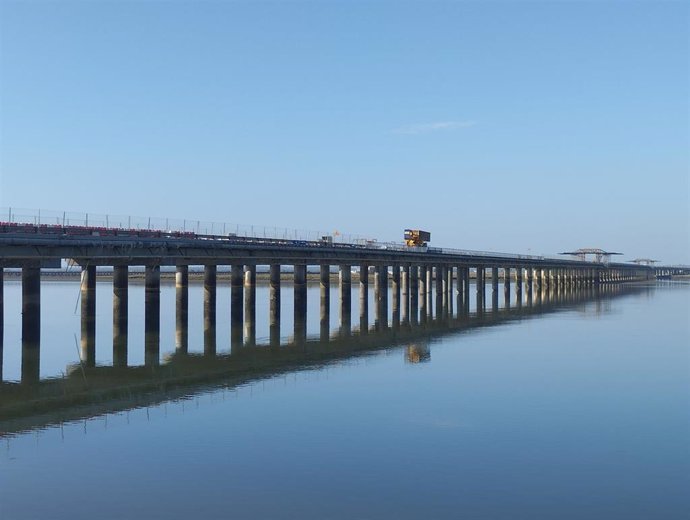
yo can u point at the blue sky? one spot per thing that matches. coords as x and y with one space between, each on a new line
511 126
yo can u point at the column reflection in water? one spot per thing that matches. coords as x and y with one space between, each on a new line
120 314
152 312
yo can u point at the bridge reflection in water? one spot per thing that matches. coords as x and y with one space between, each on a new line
87 391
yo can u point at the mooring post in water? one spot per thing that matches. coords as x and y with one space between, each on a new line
236 304
210 285
274 305
250 304
152 315
120 314
88 315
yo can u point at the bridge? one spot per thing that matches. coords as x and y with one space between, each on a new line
418 279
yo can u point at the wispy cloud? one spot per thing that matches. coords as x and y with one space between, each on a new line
427 128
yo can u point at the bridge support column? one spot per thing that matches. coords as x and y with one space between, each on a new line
345 299
449 289
120 314
210 282
421 282
439 291
325 309
481 289
466 292
364 298
274 305
250 305
152 315
300 306
414 294
405 293
494 288
506 286
2 319
430 291
31 324
395 294
236 304
88 315
518 286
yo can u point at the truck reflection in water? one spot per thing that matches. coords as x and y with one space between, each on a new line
418 353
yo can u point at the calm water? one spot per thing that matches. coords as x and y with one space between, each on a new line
579 412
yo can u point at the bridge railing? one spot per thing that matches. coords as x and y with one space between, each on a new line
199 227
224 229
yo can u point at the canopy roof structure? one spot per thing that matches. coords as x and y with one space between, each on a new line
599 254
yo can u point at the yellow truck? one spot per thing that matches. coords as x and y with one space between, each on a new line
416 237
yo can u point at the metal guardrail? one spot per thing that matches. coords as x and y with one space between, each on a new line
224 230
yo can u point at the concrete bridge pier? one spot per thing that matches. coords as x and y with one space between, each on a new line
395 295
236 304
345 299
250 305
518 286
120 314
88 315
274 305
414 294
440 290
449 290
405 293
210 298
300 305
480 288
364 298
152 315
2 319
429 286
466 290
384 296
506 286
182 309
31 324
377 297
422 284
325 299
494 289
